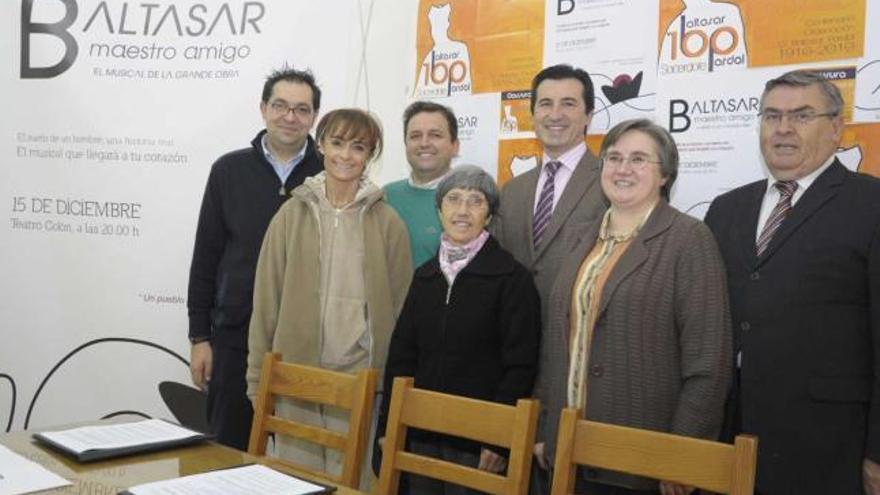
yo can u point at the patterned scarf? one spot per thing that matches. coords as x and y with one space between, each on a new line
453 258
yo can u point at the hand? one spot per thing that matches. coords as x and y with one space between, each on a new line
381 443
543 463
871 477
670 488
492 462
200 363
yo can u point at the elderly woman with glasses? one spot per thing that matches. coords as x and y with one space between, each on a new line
638 330
470 325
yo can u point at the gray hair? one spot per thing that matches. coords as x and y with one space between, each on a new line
469 177
665 147
806 78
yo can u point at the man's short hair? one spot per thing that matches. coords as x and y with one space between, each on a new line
803 79
418 107
667 151
565 71
290 74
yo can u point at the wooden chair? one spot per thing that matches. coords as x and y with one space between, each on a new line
354 392
713 466
506 426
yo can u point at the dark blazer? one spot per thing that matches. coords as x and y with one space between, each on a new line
478 339
806 316
241 197
580 203
661 351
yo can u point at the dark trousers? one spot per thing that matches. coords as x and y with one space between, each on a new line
541 481
592 488
230 413
419 485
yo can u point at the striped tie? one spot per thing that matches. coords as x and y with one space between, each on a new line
545 203
780 211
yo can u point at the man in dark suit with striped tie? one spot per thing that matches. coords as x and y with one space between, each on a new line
543 210
802 250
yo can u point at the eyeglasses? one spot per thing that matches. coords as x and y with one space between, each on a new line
637 162
797 118
471 201
282 108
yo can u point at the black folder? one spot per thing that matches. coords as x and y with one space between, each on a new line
109 453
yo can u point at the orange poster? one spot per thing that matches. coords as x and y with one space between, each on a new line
469 46
516 113
710 36
860 148
845 80
517 156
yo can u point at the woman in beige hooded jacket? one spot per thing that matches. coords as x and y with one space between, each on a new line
333 272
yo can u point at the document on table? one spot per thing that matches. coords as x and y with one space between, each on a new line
100 442
254 479
21 475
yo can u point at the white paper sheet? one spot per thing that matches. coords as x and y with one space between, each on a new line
119 435
20 475
254 480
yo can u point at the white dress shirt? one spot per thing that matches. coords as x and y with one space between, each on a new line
771 196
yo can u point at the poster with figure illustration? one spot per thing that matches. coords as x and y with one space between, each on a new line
466 47
516 114
598 36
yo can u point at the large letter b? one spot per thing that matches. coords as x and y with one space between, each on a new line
58 29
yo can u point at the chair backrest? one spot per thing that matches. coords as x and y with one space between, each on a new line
714 466
491 423
320 386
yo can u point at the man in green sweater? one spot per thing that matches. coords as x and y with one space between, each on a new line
430 131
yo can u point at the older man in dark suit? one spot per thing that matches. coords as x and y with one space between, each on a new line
802 250
543 210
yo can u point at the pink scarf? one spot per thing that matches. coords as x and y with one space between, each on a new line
453 258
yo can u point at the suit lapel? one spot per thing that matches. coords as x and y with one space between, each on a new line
530 183
820 192
581 180
637 252
745 226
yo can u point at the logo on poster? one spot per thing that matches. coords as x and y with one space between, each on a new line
715 112
705 37
128 30
564 7
446 68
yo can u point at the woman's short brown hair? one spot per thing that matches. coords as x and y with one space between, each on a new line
352 123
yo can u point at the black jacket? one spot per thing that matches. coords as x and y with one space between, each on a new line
241 197
482 344
806 315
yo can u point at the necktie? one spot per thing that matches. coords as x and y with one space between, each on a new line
780 211
545 203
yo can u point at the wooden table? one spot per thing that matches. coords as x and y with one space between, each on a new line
112 476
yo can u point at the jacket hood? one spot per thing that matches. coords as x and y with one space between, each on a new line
314 190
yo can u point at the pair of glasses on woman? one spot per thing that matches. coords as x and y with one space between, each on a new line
472 201
636 161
